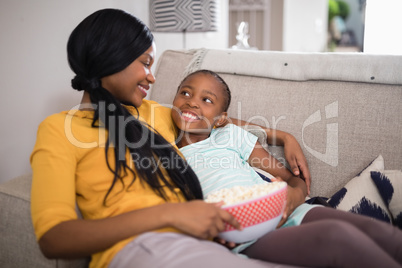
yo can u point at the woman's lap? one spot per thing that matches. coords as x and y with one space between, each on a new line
177 250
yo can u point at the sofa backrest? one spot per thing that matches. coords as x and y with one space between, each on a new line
344 109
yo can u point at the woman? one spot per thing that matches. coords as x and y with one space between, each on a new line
104 158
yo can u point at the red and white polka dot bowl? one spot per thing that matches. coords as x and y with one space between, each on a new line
257 216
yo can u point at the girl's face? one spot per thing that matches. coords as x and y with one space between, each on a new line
131 84
198 105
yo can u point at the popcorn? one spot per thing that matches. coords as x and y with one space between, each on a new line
239 194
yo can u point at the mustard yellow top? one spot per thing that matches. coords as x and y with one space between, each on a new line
69 168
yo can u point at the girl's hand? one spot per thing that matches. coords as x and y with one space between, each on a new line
200 219
297 161
294 199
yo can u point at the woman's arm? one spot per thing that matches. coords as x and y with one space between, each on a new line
80 238
53 201
297 190
293 152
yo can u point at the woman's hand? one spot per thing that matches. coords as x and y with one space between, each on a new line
227 244
200 219
79 238
296 159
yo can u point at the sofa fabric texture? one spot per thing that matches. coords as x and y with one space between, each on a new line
345 109
18 246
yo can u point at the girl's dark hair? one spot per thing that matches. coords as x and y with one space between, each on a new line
105 43
228 95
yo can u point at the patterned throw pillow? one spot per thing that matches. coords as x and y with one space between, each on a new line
389 184
360 195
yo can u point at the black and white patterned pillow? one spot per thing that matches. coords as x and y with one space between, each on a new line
389 184
360 195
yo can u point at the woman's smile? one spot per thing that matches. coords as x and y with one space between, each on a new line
144 89
137 76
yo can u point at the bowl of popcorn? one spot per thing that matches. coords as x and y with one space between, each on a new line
258 208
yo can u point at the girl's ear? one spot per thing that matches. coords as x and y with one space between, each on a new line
222 120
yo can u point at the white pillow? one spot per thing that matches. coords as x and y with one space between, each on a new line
360 195
389 184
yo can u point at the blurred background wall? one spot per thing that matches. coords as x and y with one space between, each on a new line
35 76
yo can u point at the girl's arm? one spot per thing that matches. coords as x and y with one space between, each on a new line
293 152
297 190
80 238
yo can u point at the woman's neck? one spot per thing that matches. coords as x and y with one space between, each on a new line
186 138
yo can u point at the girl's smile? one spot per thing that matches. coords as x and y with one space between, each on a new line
198 104
189 116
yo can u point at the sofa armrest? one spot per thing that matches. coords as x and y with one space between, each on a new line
18 246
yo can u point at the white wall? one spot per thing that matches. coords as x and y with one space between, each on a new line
382 34
35 76
305 25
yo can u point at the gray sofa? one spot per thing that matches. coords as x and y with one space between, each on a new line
344 109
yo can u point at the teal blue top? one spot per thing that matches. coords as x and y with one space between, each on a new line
220 161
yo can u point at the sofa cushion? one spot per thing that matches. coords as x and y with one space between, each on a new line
18 246
298 66
389 184
360 195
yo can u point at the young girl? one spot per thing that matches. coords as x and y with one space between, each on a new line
221 155
103 158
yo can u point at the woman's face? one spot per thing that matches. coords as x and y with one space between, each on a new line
131 84
198 104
